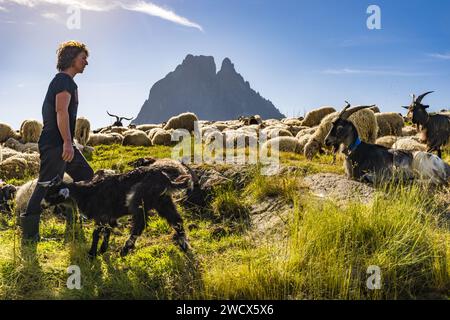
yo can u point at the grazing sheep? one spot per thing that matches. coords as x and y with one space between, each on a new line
364 121
182 121
24 193
147 127
19 166
409 131
109 198
21 147
389 124
160 137
292 122
7 132
221 126
386 141
30 131
435 128
256 119
285 144
97 139
136 138
82 130
314 117
410 144
6 153
278 132
308 131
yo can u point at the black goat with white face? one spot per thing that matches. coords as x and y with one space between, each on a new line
107 198
364 161
435 128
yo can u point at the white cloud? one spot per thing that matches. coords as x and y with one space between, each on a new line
3 9
50 16
350 71
445 56
103 5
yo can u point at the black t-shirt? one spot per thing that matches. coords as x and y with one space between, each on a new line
50 135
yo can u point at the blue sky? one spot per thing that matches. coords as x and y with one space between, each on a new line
300 54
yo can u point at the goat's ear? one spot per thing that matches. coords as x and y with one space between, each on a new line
405 107
425 107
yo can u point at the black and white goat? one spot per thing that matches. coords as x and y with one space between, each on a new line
374 163
107 198
435 128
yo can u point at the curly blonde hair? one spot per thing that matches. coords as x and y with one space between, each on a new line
67 52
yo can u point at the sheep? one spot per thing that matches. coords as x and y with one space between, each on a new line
291 122
96 139
21 147
256 119
374 163
82 130
147 127
307 131
19 166
278 132
221 126
409 131
182 121
160 137
386 141
389 124
118 122
285 144
24 193
364 120
314 117
111 197
30 131
435 128
6 153
136 138
7 132
410 144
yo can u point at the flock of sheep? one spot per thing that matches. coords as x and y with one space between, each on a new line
19 155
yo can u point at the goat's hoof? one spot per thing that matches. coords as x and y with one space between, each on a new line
182 242
92 255
125 251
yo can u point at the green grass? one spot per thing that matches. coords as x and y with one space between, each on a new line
325 255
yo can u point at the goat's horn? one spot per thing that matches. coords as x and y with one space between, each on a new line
345 109
419 98
112 115
121 118
351 111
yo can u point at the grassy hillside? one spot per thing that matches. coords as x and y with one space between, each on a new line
321 250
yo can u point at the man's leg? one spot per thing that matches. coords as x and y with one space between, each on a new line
79 169
51 166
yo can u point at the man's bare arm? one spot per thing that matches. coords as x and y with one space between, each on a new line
62 118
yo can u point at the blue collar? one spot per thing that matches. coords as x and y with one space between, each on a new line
354 145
